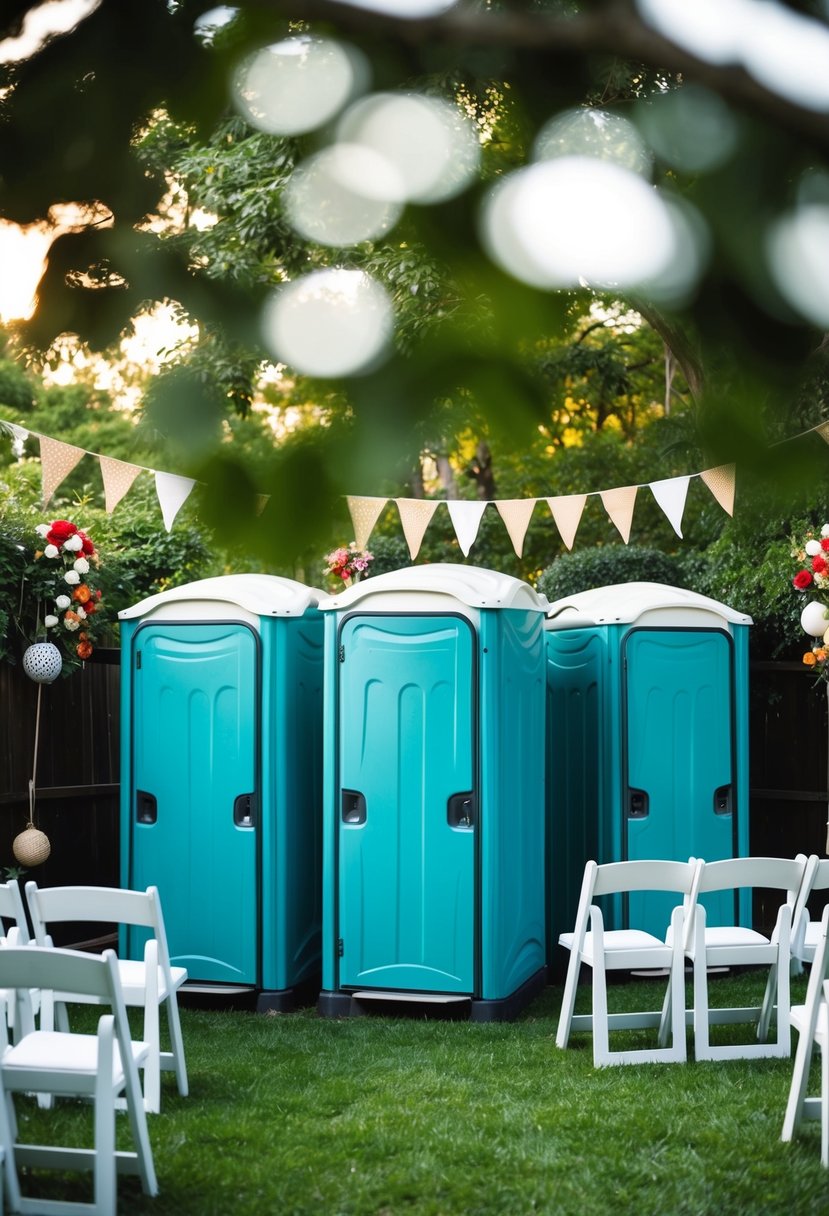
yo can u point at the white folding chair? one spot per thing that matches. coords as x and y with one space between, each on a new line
97 1066
146 984
806 933
627 949
811 1021
15 932
736 945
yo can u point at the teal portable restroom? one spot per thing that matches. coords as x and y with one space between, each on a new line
221 779
433 810
647 740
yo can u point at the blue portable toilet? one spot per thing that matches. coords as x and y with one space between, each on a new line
647 740
433 808
221 779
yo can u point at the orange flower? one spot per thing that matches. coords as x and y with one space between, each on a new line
820 654
84 650
809 659
82 593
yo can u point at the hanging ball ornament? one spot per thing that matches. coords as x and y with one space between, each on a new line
813 619
31 846
42 662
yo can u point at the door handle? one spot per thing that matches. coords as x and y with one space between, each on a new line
722 800
353 807
638 804
244 811
146 807
460 810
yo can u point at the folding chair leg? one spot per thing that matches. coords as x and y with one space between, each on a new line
784 1005
8 1135
824 1107
799 1085
767 1007
568 1002
152 1066
177 1043
601 1034
104 1173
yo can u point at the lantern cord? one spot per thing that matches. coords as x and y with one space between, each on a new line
33 782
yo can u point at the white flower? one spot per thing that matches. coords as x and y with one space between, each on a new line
50 621
813 548
825 530
70 624
81 612
72 577
73 544
82 565
42 529
63 601
51 551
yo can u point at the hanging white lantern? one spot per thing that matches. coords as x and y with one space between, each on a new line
42 662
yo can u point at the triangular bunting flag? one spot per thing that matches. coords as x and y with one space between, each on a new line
173 493
57 460
415 514
720 482
566 510
466 520
619 503
261 502
118 477
671 494
516 513
364 515
823 431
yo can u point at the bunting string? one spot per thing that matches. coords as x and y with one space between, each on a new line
58 459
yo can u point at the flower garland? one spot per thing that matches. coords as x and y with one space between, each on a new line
64 576
812 553
348 563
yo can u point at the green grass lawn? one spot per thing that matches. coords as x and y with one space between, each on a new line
293 1113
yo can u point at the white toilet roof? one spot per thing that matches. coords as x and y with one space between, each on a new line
259 594
470 585
624 603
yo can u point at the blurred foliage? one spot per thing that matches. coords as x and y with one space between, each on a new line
605 567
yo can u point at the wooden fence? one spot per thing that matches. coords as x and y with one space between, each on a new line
77 776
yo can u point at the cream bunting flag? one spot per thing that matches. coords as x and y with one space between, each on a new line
516 513
619 503
720 482
466 520
364 515
823 431
118 477
671 494
57 462
415 514
173 493
566 510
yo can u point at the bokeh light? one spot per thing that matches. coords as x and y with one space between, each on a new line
579 221
298 84
593 132
690 128
431 145
783 50
329 323
798 252
341 196
403 8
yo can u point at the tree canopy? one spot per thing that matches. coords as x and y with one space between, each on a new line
130 112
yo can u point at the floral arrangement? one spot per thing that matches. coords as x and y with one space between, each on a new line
63 578
812 554
348 563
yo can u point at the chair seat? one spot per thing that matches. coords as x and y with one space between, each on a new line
734 935
618 939
57 1051
134 983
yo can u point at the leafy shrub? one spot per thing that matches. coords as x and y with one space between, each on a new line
605 566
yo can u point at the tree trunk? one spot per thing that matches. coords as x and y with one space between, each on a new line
480 470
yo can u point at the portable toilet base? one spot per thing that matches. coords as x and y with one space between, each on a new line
446 1005
433 807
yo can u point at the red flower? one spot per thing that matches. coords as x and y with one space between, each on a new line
824 544
802 580
818 564
88 547
83 649
89 607
60 531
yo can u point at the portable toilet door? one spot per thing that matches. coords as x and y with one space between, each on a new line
211 803
408 810
675 702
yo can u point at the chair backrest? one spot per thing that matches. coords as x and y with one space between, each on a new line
12 913
67 970
622 876
112 905
778 873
